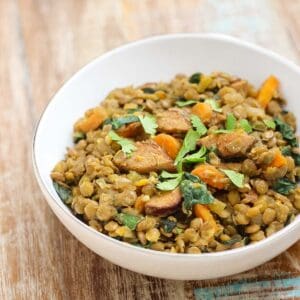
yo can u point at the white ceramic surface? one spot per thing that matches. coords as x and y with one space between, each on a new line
154 59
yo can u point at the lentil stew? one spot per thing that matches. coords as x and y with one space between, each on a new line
201 164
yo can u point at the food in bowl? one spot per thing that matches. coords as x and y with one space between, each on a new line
201 164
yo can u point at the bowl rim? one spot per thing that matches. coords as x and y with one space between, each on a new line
66 211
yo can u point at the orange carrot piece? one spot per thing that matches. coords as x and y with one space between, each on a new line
168 143
267 90
279 160
139 204
203 111
201 211
210 175
92 120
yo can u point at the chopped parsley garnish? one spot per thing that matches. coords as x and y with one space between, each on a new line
245 125
127 145
198 125
270 124
149 124
186 103
189 144
236 178
230 123
128 220
63 193
195 78
214 105
284 186
287 132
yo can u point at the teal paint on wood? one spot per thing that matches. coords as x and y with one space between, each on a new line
268 289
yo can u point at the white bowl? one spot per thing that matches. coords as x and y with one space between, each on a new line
154 59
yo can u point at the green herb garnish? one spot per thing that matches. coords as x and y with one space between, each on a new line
168 225
284 186
194 191
230 123
198 125
195 78
270 124
189 144
287 132
236 178
148 90
149 124
128 220
198 157
166 175
235 239
117 123
170 184
245 125
286 151
63 193
186 103
214 105
77 136
127 145
221 131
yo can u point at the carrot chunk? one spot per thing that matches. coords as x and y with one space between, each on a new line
201 211
210 175
92 120
279 160
203 111
168 143
267 90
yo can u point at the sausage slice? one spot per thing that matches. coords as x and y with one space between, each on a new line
173 121
147 157
164 204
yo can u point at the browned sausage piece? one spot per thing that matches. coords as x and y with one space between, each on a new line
173 121
234 144
209 141
164 204
131 130
147 157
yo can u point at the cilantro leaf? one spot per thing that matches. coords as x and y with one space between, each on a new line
186 103
221 131
245 125
168 225
128 220
189 144
63 193
196 157
194 193
170 184
149 124
126 144
214 105
77 136
117 123
236 178
166 175
270 124
148 90
195 78
287 132
284 186
230 123
198 125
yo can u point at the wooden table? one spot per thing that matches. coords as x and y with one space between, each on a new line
42 43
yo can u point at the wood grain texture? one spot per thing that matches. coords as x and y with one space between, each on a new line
41 44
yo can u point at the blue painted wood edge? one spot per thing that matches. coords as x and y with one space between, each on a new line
279 288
